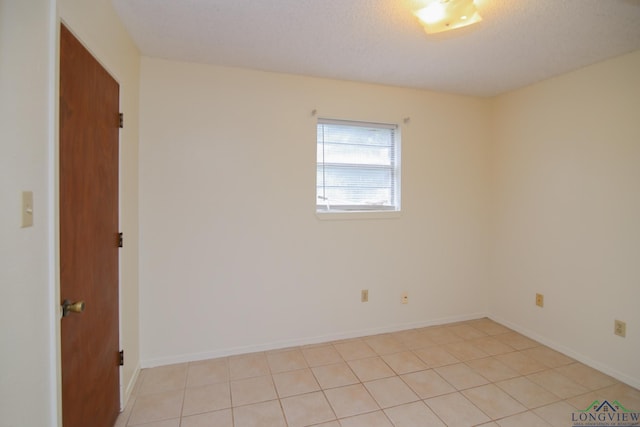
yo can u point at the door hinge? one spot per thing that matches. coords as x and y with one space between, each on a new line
121 120
120 240
121 358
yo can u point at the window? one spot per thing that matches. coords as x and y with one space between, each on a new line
358 166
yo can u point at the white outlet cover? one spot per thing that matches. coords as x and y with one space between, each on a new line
27 209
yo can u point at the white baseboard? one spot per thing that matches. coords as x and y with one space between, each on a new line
612 372
126 390
193 357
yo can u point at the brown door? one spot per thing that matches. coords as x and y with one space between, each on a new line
89 130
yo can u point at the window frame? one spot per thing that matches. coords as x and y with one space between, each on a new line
324 210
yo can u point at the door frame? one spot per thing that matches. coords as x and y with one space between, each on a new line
54 218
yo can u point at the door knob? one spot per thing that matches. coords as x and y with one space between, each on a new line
72 307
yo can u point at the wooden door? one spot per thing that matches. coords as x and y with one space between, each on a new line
89 131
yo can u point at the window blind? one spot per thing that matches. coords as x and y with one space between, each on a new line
357 166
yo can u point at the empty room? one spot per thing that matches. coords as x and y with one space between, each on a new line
320 213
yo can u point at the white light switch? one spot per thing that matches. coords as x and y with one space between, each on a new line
27 209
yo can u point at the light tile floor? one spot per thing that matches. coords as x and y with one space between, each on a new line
463 374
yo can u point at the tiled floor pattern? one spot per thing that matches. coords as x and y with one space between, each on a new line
463 374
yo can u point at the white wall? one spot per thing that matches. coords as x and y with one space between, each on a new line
545 179
97 25
28 256
27 355
566 211
232 256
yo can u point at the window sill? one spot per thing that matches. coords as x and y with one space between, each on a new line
351 215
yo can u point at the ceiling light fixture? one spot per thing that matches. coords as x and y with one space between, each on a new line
444 15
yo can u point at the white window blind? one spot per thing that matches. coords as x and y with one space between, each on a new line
357 166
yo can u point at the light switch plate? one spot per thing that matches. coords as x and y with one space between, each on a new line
27 209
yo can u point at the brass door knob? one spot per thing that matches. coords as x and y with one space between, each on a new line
72 307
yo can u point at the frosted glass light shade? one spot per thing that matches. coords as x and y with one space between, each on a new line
443 15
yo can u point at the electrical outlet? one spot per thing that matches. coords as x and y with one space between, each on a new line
405 298
27 209
540 300
620 328
364 295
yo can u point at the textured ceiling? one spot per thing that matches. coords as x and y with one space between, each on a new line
519 42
